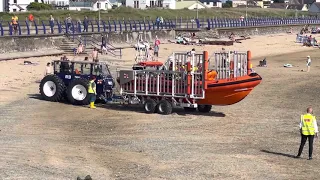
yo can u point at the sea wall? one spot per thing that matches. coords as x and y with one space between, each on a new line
245 31
40 42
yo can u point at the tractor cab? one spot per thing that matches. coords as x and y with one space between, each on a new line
71 78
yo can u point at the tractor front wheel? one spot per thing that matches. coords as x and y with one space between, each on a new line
77 92
52 88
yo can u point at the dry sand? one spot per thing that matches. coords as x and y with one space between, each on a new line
17 80
253 139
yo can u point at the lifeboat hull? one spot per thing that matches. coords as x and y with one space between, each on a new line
231 91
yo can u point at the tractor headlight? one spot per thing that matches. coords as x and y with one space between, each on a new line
110 83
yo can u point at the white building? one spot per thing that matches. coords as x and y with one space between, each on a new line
92 6
58 4
2 5
19 5
236 3
212 3
144 4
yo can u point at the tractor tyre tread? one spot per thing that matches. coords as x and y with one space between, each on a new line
71 100
60 88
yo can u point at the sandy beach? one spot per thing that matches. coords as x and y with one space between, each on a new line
256 138
18 80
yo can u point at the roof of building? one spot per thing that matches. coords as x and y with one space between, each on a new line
20 8
278 5
317 4
295 6
186 4
85 3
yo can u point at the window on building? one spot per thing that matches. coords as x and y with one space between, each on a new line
160 3
98 5
123 3
36 1
14 1
14 10
167 6
152 4
136 4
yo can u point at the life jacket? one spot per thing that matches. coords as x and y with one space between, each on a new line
307 121
92 87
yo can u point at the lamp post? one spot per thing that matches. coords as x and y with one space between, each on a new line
197 9
246 9
99 12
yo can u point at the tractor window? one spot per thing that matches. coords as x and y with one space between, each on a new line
86 69
97 70
56 66
77 69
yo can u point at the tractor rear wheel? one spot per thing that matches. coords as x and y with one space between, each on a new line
52 88
204 108
150 106
77 92
164 107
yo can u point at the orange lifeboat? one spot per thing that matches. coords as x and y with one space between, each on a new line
229 91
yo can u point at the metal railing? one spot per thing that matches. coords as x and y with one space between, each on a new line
94 26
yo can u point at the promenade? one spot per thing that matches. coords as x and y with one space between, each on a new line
108 26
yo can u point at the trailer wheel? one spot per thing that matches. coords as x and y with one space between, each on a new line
150 106
164 107
189 109
204 108
77 92
52 88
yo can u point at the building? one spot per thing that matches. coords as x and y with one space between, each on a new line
190 5
236 3
212 3
58 4
91 6
2 6
299 7
264 3
19 5
144 4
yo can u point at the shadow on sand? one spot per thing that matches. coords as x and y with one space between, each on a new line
279 154
139 108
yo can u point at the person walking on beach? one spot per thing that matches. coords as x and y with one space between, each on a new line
95 55
85 24
308 63
308 129
51 22
69 22
48 69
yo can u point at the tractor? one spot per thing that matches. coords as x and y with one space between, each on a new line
70 81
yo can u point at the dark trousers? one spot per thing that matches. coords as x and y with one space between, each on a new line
303 142
92 97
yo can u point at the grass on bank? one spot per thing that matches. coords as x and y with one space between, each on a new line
130 13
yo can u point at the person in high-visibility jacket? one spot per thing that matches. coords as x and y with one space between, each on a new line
308 129
92 91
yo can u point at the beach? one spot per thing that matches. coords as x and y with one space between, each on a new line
256 138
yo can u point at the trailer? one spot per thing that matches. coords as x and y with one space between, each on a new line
183 81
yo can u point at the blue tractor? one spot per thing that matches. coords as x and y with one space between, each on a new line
70 81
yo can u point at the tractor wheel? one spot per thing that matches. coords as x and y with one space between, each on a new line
52 88
150 106
204 108
77 92
189 109
164 107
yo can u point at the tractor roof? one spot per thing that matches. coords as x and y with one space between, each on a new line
81 62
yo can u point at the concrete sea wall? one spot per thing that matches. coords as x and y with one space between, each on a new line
32 43
40 42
